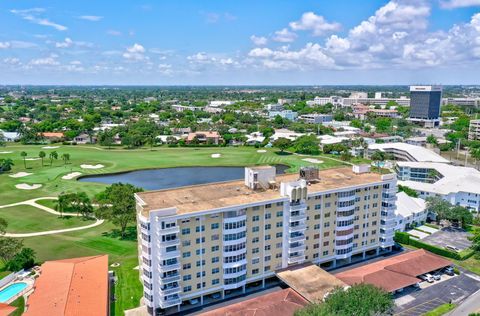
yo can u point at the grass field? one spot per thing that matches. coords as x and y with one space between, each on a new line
104 239
48 203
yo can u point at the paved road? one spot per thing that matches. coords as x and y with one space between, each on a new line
470 305
33 202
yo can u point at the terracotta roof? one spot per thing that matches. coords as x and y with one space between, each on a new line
6 309
397 272
280 303
52 134
71 287
207 134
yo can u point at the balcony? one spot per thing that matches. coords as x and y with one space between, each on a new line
175 242
234 264
169 279
168 255
234 275
296 239
299 248
234 285
296 259
235 219
169 267
302 216
347 227
235 241
234 230
297 228
170 302
298 207
235 252
170 291
168 231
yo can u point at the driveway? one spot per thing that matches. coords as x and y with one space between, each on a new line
454 290
452 236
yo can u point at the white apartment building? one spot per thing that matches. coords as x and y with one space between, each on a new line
209 242
407 152
315 118
457 185
474 130
410 212
286 114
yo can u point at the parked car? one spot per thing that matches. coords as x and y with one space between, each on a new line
427 277
194 301
452 248
437 276
449 271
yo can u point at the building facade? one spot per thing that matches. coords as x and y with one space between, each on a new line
216 240
425 104
474 130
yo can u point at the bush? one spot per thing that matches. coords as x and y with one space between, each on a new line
402 238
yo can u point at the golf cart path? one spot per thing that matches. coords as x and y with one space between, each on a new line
33 203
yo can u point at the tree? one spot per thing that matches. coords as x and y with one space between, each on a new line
345 155
42 155
117 204
25 259
378 156
383 124
82 204
63 203
3 226
53 155
475 153
2 140
65 158
307 144
359 300
282 143
439 206
6 164
9 247
431 139
24 155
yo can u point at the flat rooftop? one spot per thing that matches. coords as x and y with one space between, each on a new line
224 194
417 152
310 281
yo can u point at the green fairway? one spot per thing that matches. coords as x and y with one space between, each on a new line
48 203
29 219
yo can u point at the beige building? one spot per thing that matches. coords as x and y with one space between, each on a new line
208 242
474 130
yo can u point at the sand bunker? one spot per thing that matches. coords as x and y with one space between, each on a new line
51 147
216 155
20 175
312 160
6 152
71 175
24 186
98 166
261 151
30 159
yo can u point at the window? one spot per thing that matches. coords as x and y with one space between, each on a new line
215 248
328 204
316 226
255 271
279 224
267 247
198 251
199 275
255 260
255 229
186 243
326 224
200 240
255 218
215 281
187 289
268 226
187 266
268 205
185 231
187 277
326 243
326 234
267 268
215 259
325 253
318 206
279 213
256 250
268 215
200 228
267 237
279 235
255 240
215 270
316 236
215 225
279 203
268 258
186 254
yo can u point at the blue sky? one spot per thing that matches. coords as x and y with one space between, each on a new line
244 42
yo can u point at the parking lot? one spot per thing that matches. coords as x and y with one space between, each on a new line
449 236
455 290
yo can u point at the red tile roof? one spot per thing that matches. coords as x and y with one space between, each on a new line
6 309
52 134
71 287
280 303
397 272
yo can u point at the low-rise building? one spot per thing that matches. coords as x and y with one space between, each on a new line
474 130
255 138
220 238
204 137
286 114
10 136
315 118
411 212
361 112
457 185
407 152
182 108
285 133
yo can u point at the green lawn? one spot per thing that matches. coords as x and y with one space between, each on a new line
28 219
48 203
440 310
19 303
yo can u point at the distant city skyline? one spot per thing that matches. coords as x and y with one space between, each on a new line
398 42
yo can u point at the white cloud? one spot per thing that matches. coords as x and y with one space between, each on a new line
47 61
453 4
4 45
165 69
65 44
33 16
92 18
259 40
315 23
214 17
284 36
114 33
135 53
198 57
11 61
337 44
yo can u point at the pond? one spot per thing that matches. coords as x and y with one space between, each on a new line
165 178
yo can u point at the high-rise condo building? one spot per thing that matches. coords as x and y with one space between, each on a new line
208 242
425 105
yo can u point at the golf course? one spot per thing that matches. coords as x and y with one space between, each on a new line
28 191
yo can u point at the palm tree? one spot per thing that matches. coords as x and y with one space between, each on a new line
42 155
24 155
66 158
53 155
